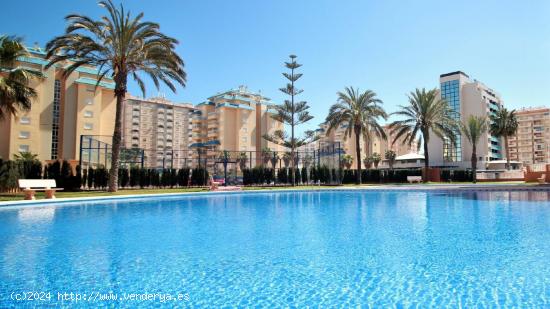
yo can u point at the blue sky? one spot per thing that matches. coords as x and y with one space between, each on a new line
389 46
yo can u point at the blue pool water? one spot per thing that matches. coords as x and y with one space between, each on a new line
347 248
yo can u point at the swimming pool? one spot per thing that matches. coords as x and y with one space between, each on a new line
318 248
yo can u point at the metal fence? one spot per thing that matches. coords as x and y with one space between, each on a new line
95 151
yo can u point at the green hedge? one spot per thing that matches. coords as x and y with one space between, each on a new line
400 175
457 175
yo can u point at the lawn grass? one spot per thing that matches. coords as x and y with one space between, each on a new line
40 195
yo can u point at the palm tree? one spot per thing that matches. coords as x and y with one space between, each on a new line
375 158
15 93
426 113
347 161
360 111
267 154
390 155
120 46
242 159
367 161
25 156
286 158
504 124
473 128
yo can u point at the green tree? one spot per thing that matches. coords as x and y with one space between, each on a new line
360 112
390 155
15 92
425 113
504 124
473 128
291 113
120 45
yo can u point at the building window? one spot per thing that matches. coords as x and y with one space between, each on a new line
55 118
88 114
89 101
25 120
24 148
450 91
24 134
88 126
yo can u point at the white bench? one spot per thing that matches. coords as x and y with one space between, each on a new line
30 186
412 179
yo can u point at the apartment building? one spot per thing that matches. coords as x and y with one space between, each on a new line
375 144
531 144
161 129
400 147
466 97
234 120
66 108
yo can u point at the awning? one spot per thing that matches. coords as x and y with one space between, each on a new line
410 156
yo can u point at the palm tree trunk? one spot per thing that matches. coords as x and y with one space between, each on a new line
426 157
474 163
358 153
120 93
507 152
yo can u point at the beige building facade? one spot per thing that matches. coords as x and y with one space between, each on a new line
66 108
161 129
234 121
531 144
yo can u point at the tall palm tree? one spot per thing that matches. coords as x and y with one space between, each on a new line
473 128
360 111
426 113
15 93
504 124
390 155
119 45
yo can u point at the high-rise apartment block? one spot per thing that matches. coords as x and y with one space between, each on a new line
65 108
161 129
531 144
466 97
234 120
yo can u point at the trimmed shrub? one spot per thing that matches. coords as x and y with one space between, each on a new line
123 177
282 175
183 177
305 179
199 177
9 173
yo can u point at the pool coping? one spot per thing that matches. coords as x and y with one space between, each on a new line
419 188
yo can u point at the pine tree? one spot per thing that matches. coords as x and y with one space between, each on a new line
292 113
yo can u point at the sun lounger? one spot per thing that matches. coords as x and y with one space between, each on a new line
216 186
